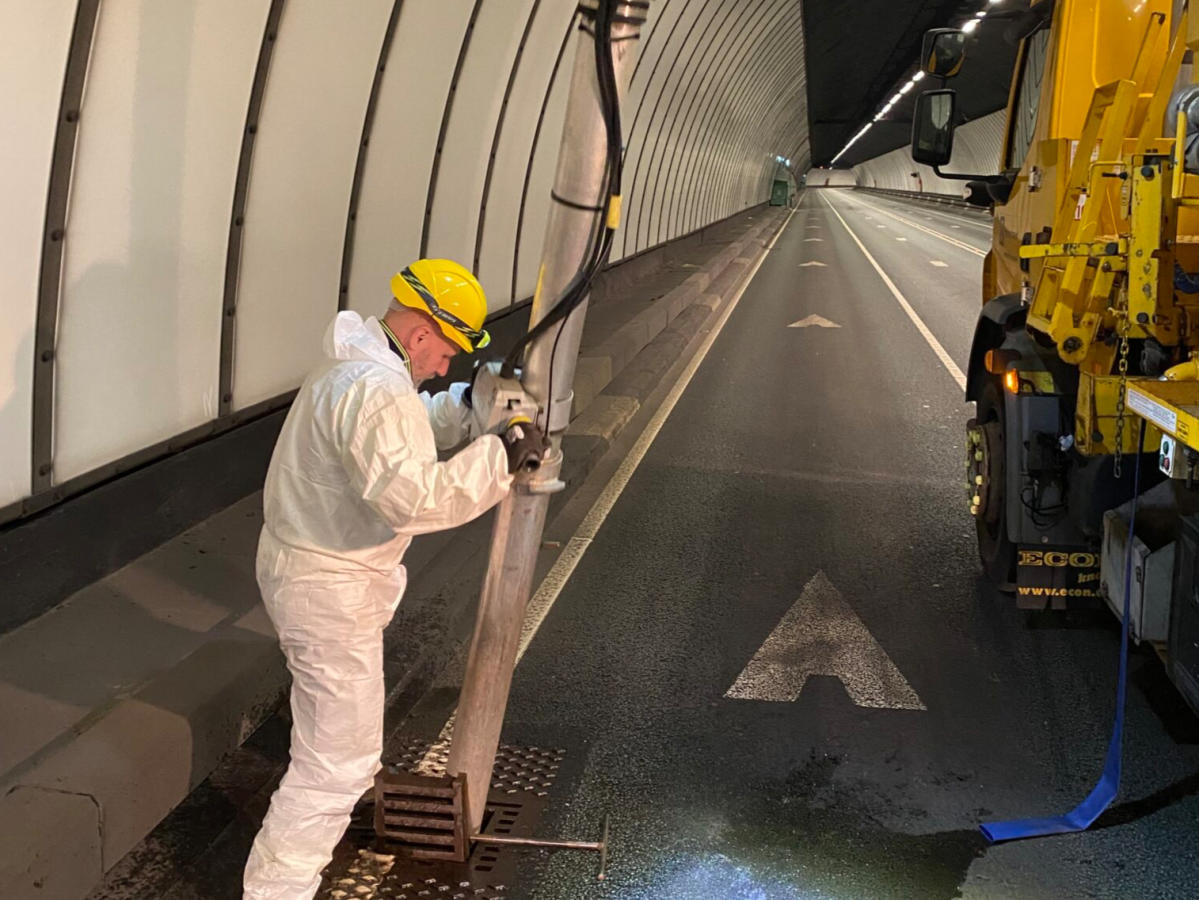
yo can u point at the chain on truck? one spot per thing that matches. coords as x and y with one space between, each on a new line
1083 364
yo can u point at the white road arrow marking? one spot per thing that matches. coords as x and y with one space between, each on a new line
822 635
812 263
938 263
817 321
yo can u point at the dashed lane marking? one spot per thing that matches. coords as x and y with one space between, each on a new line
812 263
812 240
929 337
901 239
940 264
822 635
969 248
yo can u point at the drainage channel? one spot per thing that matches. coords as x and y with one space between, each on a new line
364 867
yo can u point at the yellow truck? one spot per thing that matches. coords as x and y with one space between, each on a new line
1081 367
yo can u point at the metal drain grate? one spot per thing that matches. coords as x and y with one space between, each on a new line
375 874
531 769
420 815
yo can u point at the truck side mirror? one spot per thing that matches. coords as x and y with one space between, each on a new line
932 127
943 52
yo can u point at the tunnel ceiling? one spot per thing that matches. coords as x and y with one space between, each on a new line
856 61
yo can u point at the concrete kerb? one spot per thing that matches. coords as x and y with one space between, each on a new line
86 801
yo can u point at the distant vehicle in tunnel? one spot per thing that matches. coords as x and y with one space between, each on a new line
1079 365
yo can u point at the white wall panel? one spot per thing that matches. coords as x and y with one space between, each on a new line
703 76
681 84
515 145
831 178
541 182
473 116
33 53
395 177
163 113
139 323
299 194
976 149
660 58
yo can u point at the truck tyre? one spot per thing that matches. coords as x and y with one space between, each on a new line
987 475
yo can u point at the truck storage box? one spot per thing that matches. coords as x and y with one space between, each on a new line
1152 560
1184 632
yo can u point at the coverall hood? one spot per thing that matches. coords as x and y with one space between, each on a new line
350 337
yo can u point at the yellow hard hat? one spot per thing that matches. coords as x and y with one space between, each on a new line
450 294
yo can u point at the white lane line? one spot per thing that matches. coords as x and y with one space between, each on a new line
813 263
935 215
969 248
822 635
940 264
929 337
433 762
901 239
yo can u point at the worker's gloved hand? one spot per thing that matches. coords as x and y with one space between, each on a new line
525 445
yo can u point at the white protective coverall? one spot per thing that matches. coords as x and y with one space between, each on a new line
353 478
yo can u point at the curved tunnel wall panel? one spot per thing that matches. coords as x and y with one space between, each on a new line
703 76
541 178
33 53
403 144
698 198
304 157
474 114
549 34
178 211
976 149
654 106
139 331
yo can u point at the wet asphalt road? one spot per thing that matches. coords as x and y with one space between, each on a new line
819 467
796 452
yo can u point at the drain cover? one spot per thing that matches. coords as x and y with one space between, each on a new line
369 868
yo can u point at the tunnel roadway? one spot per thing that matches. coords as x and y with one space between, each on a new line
772 663
777 669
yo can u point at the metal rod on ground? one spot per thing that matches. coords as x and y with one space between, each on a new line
550 364
600 846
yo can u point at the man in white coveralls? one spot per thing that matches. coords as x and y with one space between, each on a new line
354 476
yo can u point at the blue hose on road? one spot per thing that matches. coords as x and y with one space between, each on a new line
1084 815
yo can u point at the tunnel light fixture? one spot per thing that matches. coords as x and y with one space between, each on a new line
853 140
969 27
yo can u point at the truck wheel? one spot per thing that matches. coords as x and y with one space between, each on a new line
985 474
